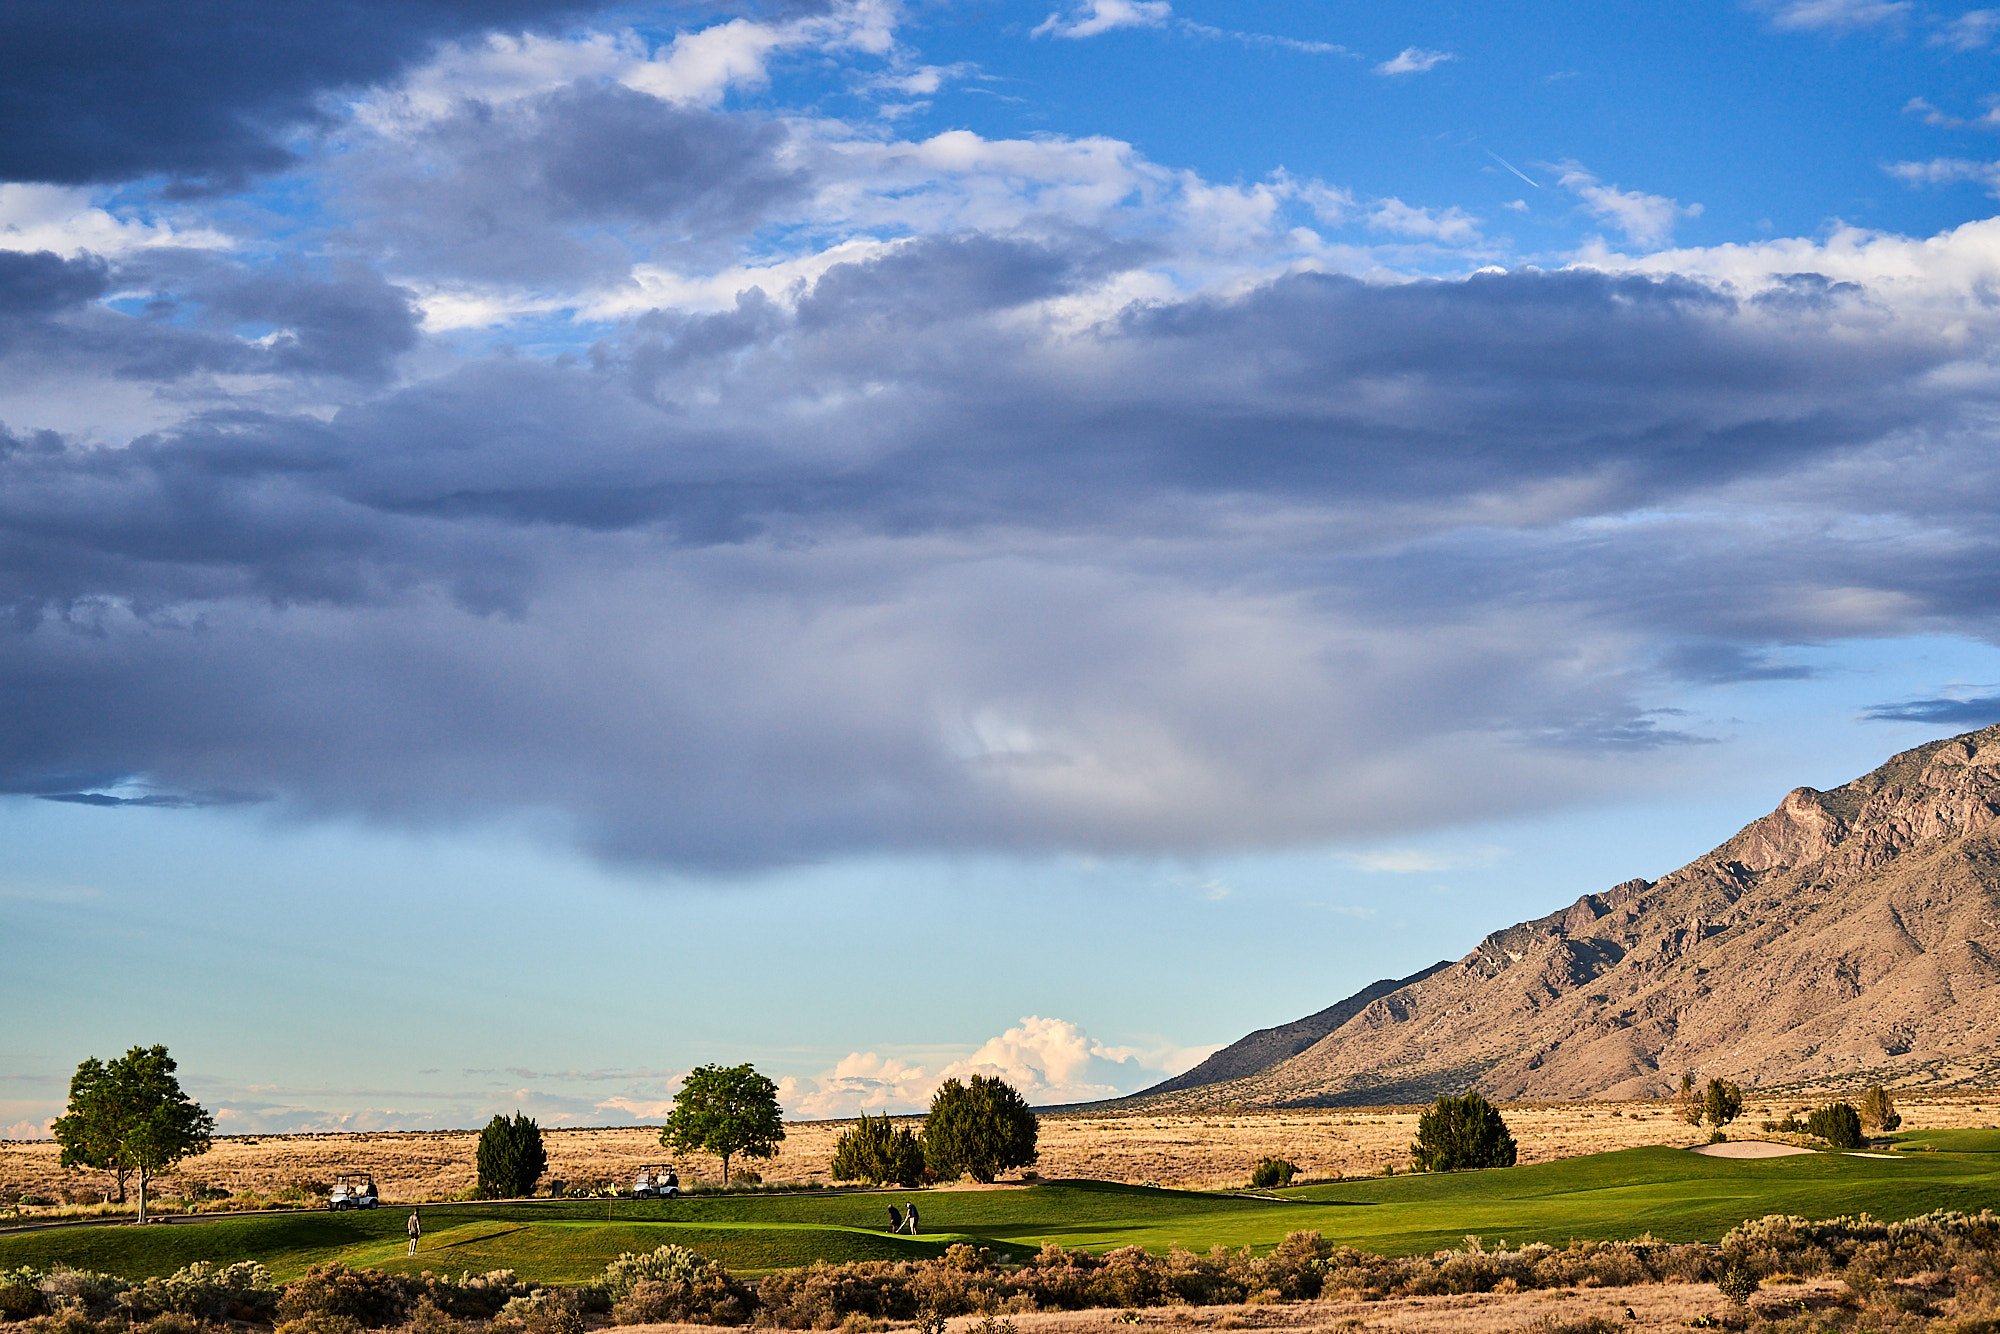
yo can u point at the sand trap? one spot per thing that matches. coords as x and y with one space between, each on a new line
1748 1148
1892 1157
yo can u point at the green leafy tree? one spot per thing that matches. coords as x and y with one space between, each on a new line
727 1111
1461 1132
1837 1123
1273 1172
128 1116
511 1157
1878 1110
873 1150
978 1128
1721 1103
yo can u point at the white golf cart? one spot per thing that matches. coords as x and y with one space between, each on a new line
353 1190
656 1181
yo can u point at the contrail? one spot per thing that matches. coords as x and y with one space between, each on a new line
1511 167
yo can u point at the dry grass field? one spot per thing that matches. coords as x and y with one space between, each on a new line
1181 1150
1652 1309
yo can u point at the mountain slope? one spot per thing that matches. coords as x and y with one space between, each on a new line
1848 932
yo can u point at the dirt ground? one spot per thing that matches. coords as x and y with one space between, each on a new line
1212 1150
1652 1309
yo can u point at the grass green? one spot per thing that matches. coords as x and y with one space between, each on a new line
1669 1193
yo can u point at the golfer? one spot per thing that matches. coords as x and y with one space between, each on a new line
910 1219
415 1227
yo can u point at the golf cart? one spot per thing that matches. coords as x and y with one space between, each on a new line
656 1182
353 1190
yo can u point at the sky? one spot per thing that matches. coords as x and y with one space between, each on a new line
545 544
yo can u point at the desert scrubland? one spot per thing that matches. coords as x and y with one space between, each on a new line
1195 1150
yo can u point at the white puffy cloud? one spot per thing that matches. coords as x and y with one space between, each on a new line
1837 15
1949 171
1645 219
1093 17
1051 1061
28 1129
1414 60
65 221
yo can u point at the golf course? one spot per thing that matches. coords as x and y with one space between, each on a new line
1672 1194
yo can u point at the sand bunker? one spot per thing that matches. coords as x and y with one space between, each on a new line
1748 1148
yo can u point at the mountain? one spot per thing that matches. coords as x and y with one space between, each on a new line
1848 934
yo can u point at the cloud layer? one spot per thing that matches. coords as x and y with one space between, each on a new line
725 486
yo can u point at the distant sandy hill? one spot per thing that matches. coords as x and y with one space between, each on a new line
1848 934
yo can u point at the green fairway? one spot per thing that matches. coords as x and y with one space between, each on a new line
1672 1194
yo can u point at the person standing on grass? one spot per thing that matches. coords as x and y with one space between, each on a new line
415 1227
895 1219
910 1219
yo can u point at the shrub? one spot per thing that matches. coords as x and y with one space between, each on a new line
319 1322
874 1151
1878 1110
472 1296
674 1283
978 1128
1837 1123
1737 1282
1273 1172
369 1298
82 1291
204 1291
511 1157
21 1294
1461 1132
546 1311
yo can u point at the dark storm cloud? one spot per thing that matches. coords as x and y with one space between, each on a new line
524 191
203 90
1976 711
185 314
899 568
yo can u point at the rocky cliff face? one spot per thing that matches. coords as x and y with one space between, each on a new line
1848 933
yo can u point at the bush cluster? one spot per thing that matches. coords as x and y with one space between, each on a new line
1273 1172
1894 1273
877 1152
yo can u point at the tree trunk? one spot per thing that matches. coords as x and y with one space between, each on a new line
725 1171
120 1173
142 1195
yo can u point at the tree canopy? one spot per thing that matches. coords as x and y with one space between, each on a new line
873 1150
128 1116
1465 1131
725 1110
979 1128
511 1158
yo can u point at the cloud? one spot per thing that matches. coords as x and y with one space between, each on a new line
1449 225
1837 15
1414 60
1963 712
1645 219
204 92
1974 30
1090 18
1988 119
1271 41
1948 171
1051 1061
29 1129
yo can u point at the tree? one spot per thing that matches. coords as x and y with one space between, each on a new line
1721 1103
1878 1110
1460 1132
979 1128
874 1151
1837 1123
725 1110
1687 1103
128 1116
511 1158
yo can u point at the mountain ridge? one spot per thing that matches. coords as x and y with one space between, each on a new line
1847 933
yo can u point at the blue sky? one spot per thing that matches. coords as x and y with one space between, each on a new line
542 544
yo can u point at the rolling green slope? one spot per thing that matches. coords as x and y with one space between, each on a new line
1674 1195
